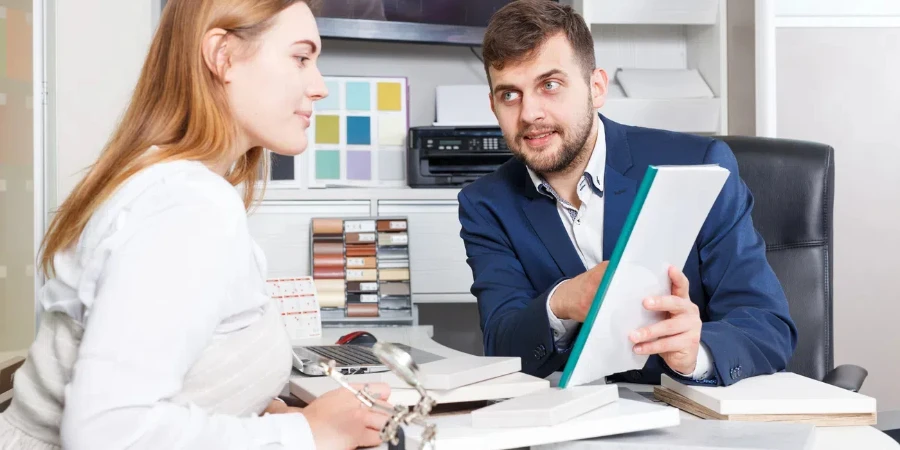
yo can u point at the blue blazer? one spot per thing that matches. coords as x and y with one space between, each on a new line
519 251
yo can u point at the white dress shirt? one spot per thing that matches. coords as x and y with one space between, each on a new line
166 270
584 226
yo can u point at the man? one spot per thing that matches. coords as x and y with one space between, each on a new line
532 228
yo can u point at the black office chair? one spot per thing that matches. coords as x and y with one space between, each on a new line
792 183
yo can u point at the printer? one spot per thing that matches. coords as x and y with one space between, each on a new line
453 156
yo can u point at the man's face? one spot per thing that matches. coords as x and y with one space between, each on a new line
545 106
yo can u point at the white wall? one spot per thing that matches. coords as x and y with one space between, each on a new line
837 85
16 176
100 47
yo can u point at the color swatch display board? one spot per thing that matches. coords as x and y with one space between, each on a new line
361 266
357 136
296 301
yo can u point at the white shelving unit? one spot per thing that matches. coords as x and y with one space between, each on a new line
677 12
439 273
662 34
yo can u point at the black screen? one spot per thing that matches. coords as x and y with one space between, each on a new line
430 21
469 13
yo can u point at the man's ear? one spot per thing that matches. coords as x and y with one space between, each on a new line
491 99
599 87
216 54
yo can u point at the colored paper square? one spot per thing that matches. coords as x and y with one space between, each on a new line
391 129
281 167
359 96
18 46
389 98
328 164
332 102
328 129
359 165
391 165
359 130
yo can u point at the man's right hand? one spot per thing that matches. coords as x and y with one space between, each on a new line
572 299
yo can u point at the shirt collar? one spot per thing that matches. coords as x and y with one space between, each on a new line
594 173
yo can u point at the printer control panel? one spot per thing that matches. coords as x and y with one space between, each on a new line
465 144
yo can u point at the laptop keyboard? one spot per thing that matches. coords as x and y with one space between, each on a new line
346 355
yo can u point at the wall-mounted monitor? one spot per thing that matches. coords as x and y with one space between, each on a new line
455 22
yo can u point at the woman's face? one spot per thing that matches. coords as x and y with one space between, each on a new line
271 87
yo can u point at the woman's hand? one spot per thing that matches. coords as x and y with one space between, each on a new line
339 421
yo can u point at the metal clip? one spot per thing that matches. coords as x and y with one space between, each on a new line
399 415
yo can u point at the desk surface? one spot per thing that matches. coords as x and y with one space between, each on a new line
826 438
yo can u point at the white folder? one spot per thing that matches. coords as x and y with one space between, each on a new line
670 207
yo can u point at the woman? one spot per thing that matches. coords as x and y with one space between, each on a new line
158 332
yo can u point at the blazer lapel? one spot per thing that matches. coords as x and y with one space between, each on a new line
620 193
619 190
544 218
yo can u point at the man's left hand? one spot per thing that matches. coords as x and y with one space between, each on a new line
676 338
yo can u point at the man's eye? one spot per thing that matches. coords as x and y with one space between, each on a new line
510 96
551 85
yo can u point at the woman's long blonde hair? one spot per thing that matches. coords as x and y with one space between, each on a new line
178 105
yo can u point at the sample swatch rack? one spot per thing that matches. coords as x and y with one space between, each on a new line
360 267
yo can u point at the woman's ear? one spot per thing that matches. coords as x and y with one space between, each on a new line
216 54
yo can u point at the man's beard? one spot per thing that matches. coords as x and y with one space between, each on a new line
572 151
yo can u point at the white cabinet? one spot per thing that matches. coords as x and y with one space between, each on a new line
684 115
837 8
662 34
281 228
439 273
680 12
437 255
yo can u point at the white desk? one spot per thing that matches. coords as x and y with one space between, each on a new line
826 438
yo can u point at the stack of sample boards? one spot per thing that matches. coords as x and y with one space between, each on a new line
361 265
779 397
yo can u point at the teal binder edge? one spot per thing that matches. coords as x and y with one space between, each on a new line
614 259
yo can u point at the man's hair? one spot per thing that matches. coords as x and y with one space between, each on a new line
518 29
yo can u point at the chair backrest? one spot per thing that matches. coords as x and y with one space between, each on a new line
792 183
